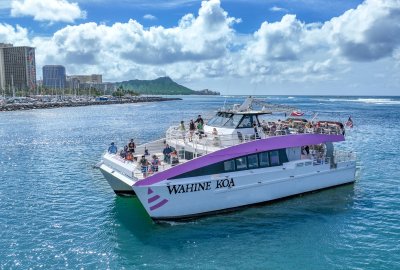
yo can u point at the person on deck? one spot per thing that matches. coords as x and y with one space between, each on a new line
144 165
131 146
199 120
182 129
154 164
167 154
174 158
192 129
112 149
200 129
215 137
256 135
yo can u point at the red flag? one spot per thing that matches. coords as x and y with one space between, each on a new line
297 113
349 122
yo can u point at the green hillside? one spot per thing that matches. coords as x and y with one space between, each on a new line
160 86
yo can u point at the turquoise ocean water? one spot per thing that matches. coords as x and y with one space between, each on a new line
57 212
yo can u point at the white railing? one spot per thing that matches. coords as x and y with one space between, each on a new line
206 142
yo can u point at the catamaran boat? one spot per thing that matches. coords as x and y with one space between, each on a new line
237 160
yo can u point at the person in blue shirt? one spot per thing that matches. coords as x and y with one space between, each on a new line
112 149
167 151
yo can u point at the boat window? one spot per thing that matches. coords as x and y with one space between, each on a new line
274 158
264 159
188 155
252 161
247 122
220 119
233 121
241 163
229 165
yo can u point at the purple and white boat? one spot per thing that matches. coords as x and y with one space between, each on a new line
236 161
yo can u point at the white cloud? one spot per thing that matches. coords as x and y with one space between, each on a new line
149 17
195 39
278 9
370 32
13 35
47 10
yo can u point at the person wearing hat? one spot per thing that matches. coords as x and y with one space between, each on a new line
112 149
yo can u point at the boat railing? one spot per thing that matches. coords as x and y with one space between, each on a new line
206 142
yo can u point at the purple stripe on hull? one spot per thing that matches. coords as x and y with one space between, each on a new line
158 205
152 199
271 143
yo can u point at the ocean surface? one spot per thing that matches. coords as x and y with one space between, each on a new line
58 212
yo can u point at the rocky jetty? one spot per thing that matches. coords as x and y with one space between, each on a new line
76 102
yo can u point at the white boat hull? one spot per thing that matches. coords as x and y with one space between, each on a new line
183 198
121 184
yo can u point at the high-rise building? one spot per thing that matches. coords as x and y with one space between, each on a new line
17 67
54 76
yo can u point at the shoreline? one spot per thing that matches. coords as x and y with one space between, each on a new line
70 103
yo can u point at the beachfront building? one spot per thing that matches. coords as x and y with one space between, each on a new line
93 78
54 76
17 68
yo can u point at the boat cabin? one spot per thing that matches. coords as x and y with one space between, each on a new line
229 122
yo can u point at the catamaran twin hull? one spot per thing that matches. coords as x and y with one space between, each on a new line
168 195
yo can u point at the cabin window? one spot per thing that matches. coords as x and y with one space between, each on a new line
233 121
241 163
188 155
247 122
274 158
229 165
252 161
264 159
220 119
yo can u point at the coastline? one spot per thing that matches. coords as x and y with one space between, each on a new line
78 103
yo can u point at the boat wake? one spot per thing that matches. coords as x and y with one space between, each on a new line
377 101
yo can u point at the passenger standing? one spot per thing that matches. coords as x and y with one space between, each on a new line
174 158
112 149
182 129
144 165
131 146
199 120
200 125
167 154
256 135
215 137
192 129
155 163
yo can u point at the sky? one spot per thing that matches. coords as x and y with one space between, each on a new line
236 47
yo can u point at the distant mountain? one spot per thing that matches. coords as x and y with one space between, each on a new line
160 86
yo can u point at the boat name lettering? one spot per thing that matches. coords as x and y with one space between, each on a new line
223 183
193 187
175 189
